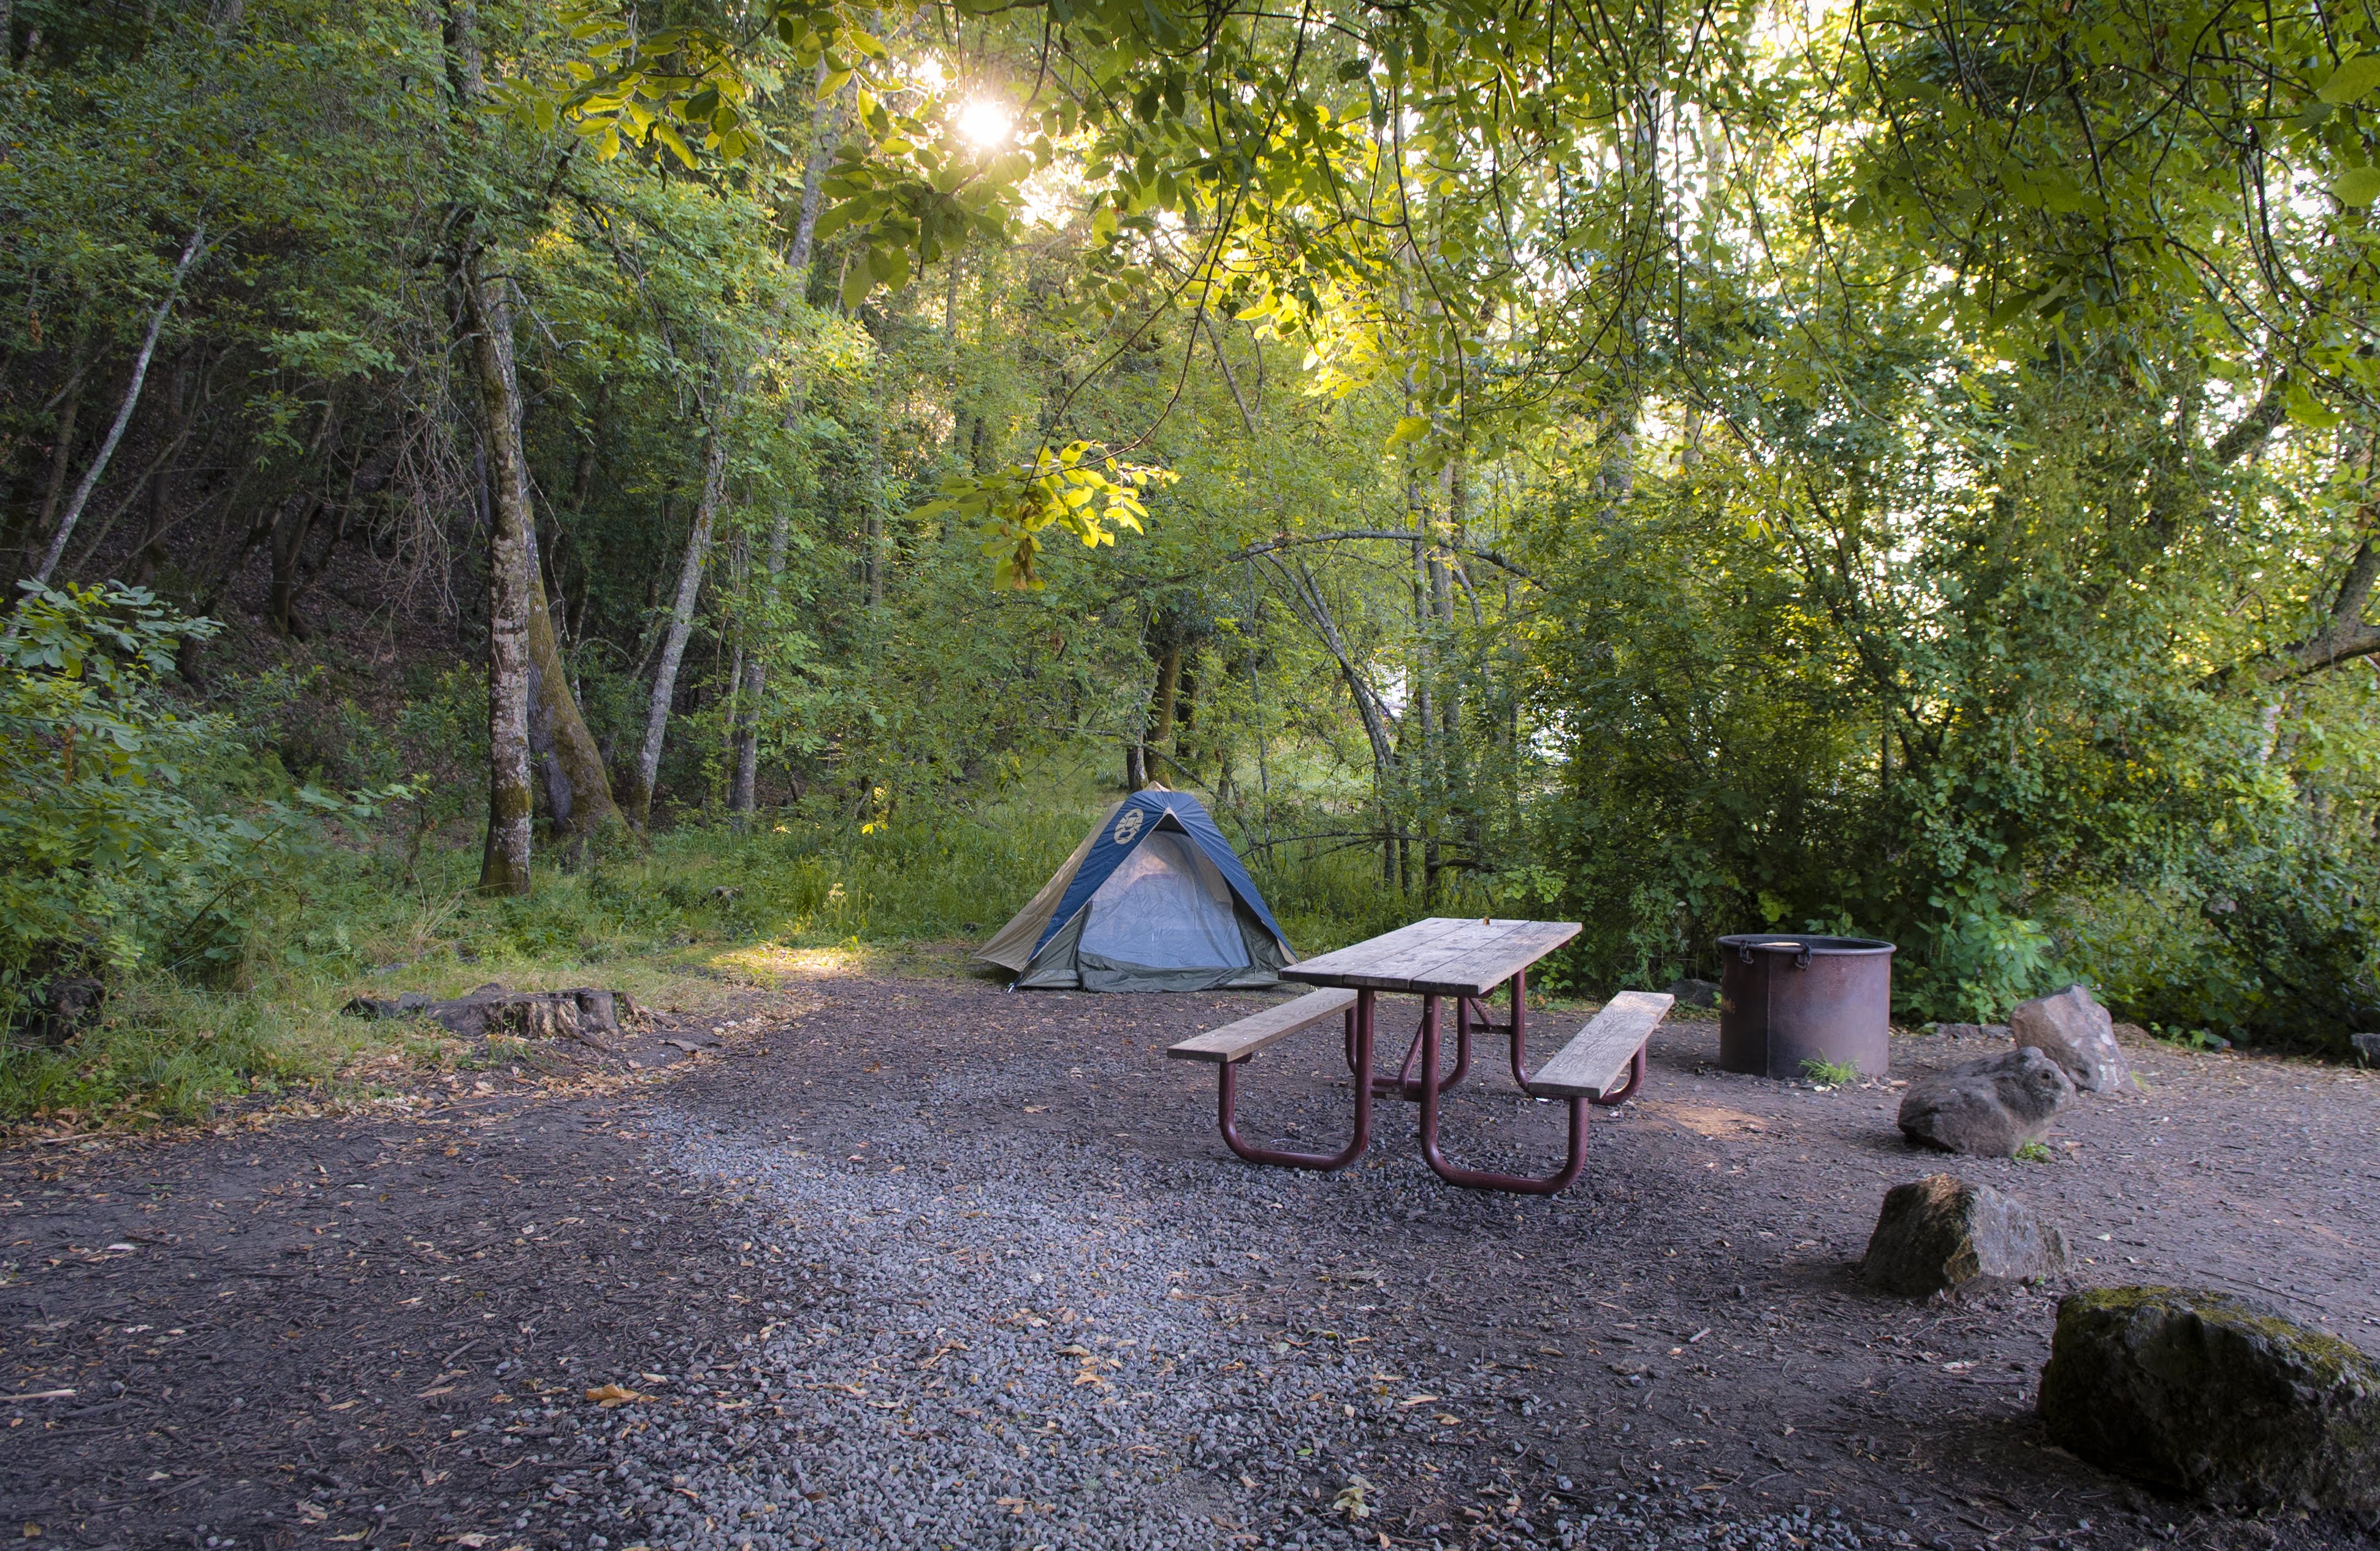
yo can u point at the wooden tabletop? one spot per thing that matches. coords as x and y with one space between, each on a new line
1441 956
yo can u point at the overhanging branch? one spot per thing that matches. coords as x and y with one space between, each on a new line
1401 535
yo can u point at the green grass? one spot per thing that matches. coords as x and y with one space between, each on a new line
2034 1152
1830 1073
676 921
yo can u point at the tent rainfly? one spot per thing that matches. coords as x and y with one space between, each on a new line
1153 900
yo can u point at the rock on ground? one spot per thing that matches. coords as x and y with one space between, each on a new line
2074 1031
1987 1108
1994 1032
2205 1393
1695 993
1942 1234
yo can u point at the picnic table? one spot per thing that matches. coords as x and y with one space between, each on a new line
1465 960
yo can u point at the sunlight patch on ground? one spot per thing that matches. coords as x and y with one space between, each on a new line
1709 1120
773 963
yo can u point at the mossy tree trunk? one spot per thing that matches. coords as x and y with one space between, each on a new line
512 585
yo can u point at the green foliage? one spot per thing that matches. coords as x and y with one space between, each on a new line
1070 487
2034 1152
110 857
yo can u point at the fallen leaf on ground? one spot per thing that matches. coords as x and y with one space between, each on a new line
609 1396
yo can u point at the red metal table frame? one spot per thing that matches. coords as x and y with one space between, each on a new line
1467 960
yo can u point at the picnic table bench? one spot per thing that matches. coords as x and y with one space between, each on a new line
1443 957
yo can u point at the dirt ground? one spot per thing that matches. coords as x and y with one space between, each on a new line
293 1336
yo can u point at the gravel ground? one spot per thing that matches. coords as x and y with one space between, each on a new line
1003 1355
908 1262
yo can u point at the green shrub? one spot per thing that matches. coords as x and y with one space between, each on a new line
109 858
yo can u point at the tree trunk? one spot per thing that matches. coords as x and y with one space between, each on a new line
124 411
2345 635
1455 781
1186 717
1169 683
742 798
824 117
61 457
875 535
287 540
176 431
681 625
150 556
512 583
578 787
1380 728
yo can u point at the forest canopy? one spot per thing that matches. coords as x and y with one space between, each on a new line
1897 469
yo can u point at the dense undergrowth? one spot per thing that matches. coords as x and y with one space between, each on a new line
691 911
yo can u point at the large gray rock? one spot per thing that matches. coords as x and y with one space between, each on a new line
2074 1031
1695 993
1941 1234
2205 1393
1987 1108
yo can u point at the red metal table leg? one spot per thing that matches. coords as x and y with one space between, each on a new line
1476 1179
1519 1028
1360 1041
1404 1085
1471 1012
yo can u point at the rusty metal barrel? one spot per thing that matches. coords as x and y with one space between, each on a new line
1786 999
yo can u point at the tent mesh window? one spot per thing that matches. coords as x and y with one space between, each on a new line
1167 908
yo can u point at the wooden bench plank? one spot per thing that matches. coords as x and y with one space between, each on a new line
1238 1041
1593 1061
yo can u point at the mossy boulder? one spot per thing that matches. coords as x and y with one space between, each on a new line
2207 1394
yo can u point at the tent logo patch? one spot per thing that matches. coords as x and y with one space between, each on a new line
1127 827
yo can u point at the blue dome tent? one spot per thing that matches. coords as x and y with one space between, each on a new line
1153 900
